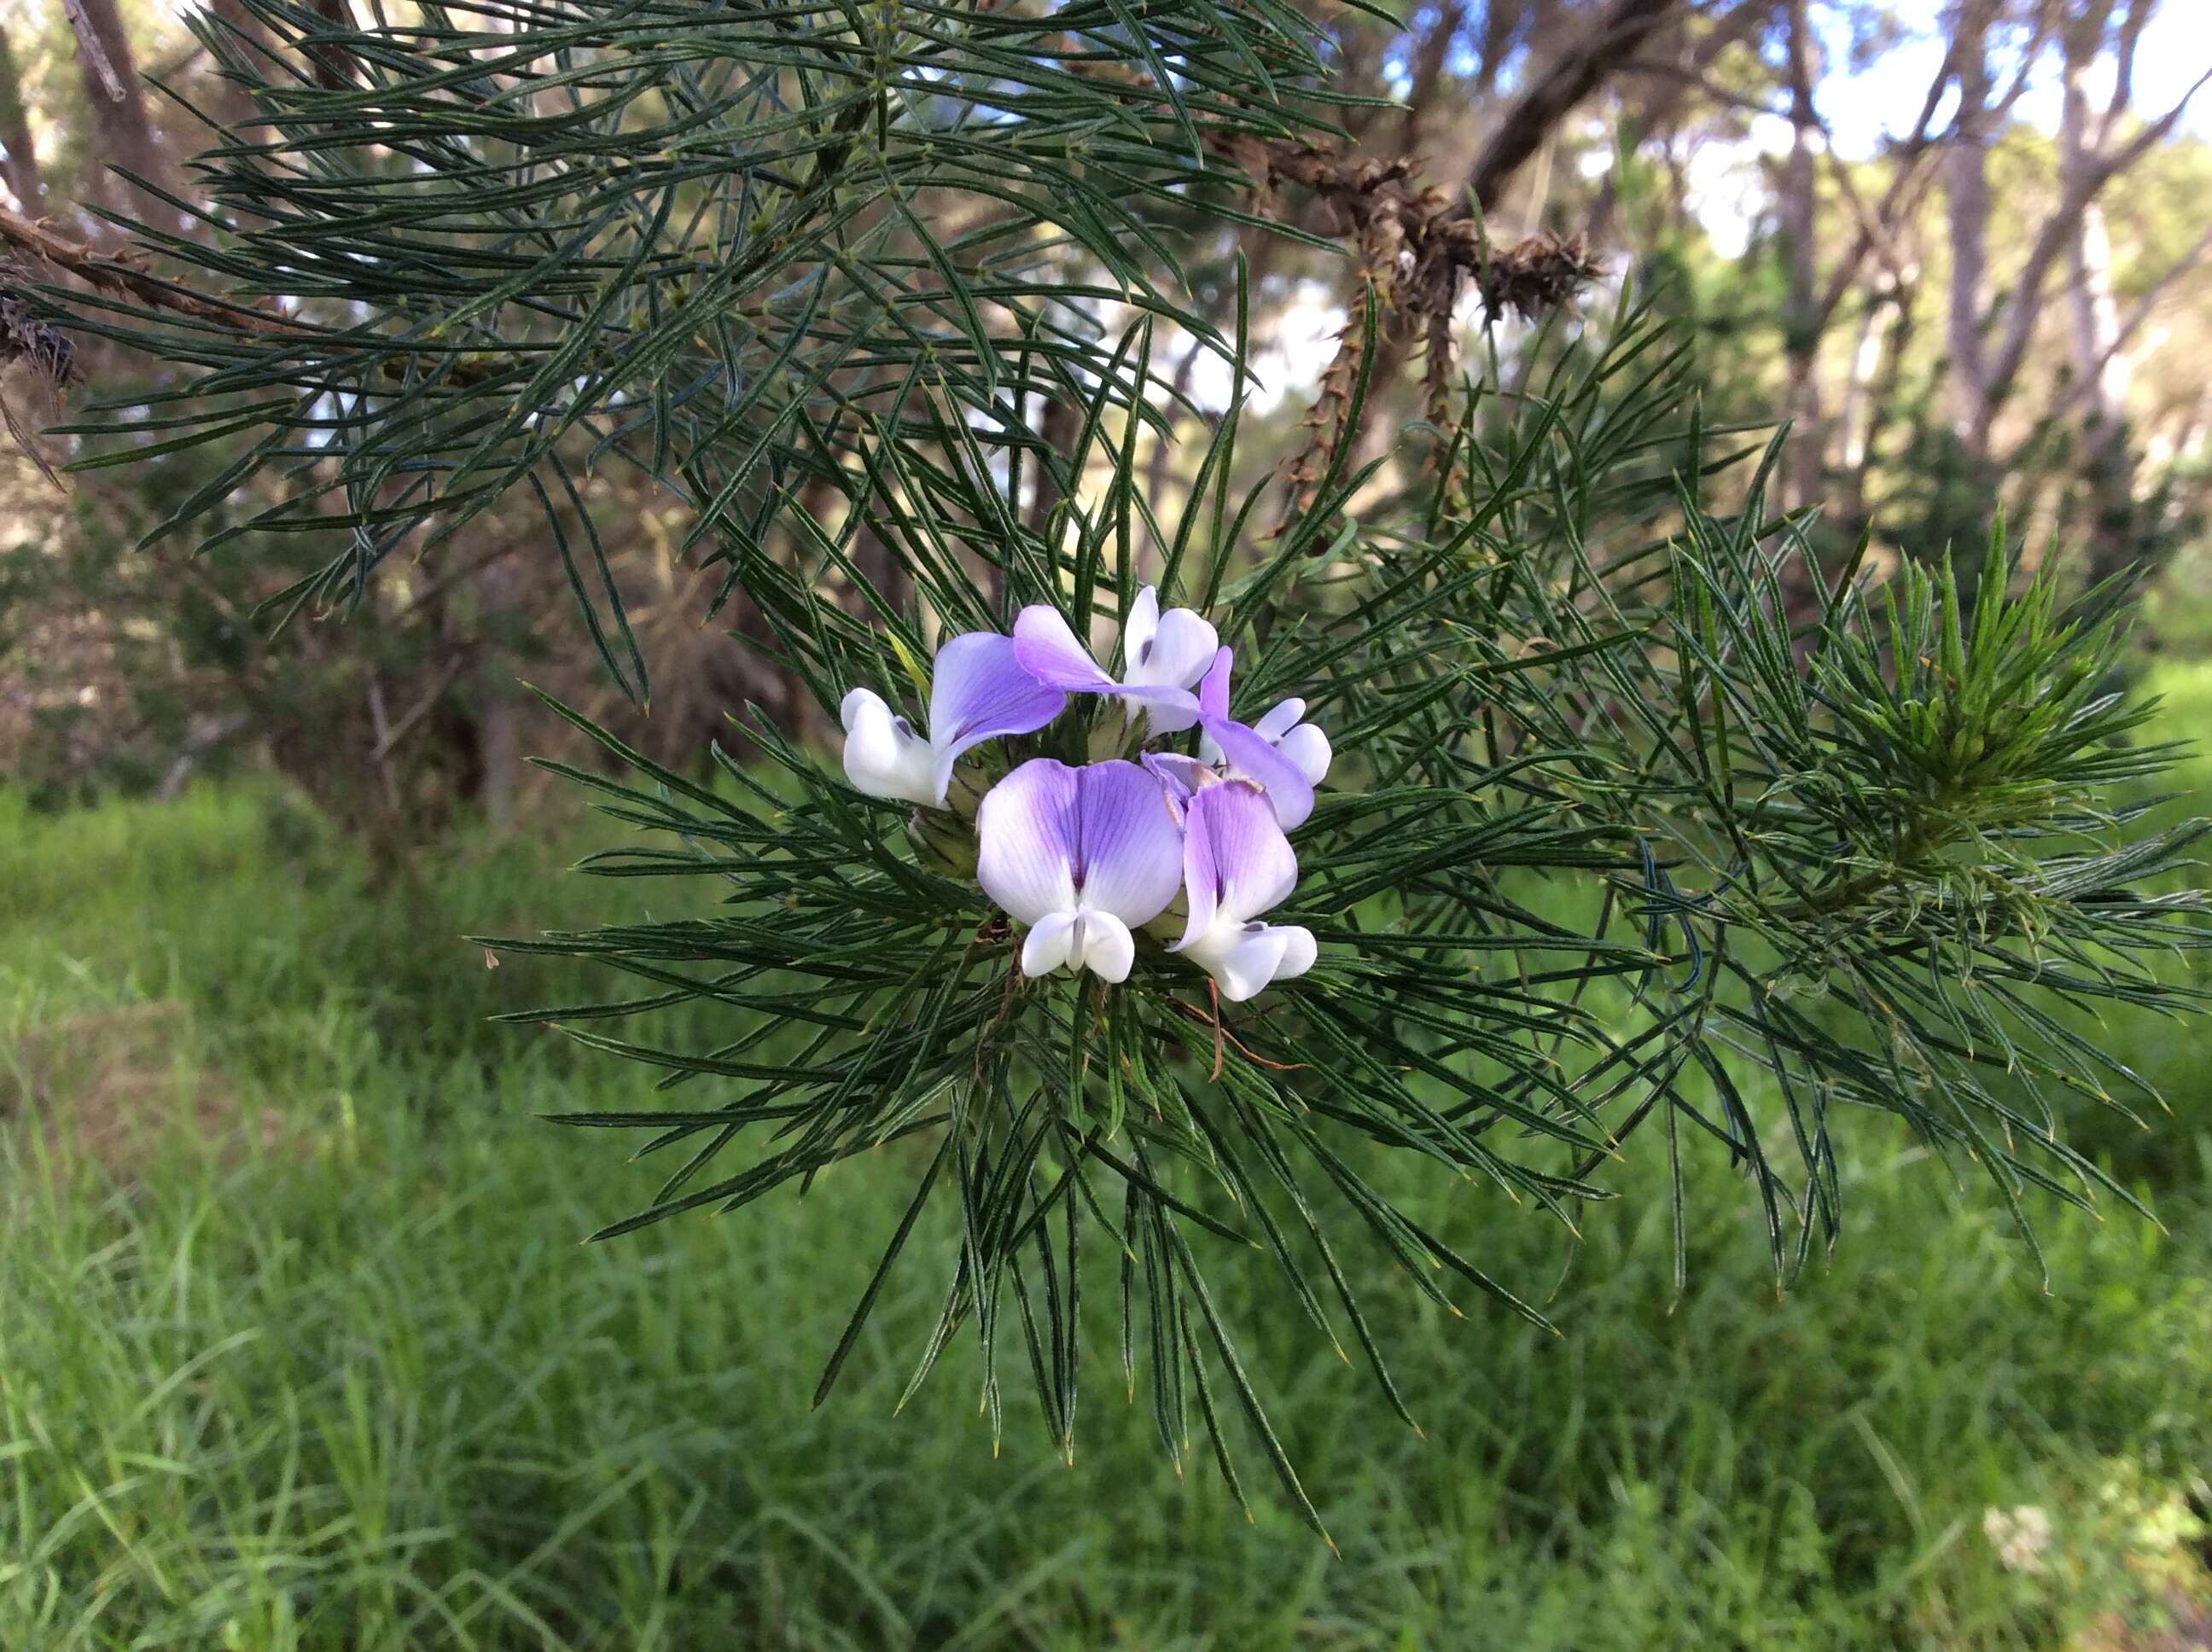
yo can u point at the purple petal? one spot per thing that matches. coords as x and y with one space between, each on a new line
1284 782
1129 848
1181 776
1214 688
1050 652
978 691
1025 831
1237 862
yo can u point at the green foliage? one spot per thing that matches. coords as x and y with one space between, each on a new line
1617 839
349 1381
1646 840
719 247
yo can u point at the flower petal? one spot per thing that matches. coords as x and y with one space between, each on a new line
1180 775
1286 716
1141 625
1050 942
1128 848
1170 711
1286 785
1251 956
1106 948
1176 655
979 690
1236 863
883 757
1050 652
1307 747
1025 831
1213 687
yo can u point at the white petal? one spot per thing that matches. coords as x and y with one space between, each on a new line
1141 625
1025 840
1281 720
883 757
1243 959
1108 949
1049 942
1307 749
1298 950
1177 654
1168 711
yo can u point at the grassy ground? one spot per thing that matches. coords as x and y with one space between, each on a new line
297 1350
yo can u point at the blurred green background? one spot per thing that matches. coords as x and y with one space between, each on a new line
299 1348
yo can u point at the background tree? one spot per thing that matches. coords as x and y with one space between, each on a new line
1606 122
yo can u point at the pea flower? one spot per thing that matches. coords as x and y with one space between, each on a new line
1283 756
978 690
1083 856
1237 864
1163 655
1179 776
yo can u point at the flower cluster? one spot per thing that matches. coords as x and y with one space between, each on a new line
1084 857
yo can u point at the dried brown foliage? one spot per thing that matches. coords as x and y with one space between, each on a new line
44 352
1420 249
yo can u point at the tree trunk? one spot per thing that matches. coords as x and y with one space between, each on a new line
1657 117
1851 417
1965 173
122 135
225 100
20 166
497 725
1884 394
1059 423
2114 531
1610 39
1805 456
2100 367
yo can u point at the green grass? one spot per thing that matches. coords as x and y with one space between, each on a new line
325 1367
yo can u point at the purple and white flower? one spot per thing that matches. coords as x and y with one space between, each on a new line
978 690
1283 756
1163 655
1082 857
1237 864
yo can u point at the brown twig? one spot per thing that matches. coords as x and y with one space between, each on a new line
1419 246
122 277
95 54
